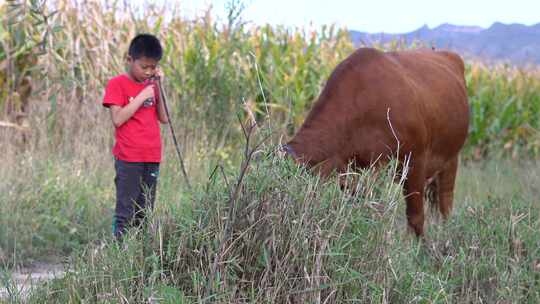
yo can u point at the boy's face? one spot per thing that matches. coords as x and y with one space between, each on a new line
142 68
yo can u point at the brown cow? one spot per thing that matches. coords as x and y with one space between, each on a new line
406 104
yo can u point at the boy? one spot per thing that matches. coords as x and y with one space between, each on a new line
133 100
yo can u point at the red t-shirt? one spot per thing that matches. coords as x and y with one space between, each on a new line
138 139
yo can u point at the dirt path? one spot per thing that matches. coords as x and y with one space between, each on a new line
23 279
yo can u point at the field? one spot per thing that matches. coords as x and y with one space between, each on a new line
274 235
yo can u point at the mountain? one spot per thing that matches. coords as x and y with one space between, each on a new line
516 44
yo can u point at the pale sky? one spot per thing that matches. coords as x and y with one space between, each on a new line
395 16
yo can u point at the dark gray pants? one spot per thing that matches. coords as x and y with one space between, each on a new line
135 193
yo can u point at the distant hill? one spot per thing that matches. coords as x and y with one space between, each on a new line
512 43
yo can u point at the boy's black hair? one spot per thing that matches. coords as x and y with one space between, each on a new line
146 45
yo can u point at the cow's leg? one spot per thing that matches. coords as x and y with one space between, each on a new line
414 195
447 179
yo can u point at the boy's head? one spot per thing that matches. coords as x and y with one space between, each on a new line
144 54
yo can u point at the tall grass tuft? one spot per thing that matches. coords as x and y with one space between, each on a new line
283 237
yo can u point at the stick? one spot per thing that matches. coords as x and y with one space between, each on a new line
163 98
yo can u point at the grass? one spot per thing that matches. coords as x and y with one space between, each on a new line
50 207
295 238
53 204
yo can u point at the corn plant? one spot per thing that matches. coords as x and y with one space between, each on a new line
23 29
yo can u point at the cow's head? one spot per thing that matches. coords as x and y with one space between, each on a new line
285 151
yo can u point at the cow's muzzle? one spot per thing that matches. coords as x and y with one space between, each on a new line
286 150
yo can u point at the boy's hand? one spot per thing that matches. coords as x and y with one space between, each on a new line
147 92
159 74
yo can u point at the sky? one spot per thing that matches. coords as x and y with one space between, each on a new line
376 15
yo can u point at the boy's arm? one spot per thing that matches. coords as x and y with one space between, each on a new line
120 115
